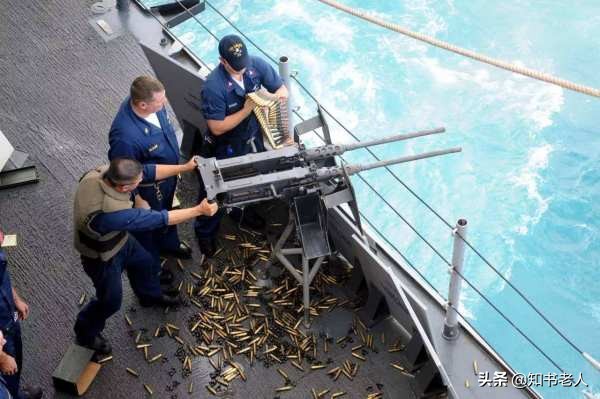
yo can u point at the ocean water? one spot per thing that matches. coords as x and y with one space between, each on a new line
528 179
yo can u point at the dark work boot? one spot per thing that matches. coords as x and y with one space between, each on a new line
166 277
30 392
208 246
161 301
182 252
170 290
99 344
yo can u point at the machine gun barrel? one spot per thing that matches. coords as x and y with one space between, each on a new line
326 173
330 150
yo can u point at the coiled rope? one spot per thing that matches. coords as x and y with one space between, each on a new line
544 77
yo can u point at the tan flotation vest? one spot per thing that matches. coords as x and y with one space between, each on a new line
94 196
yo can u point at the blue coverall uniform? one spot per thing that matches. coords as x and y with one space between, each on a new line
139 263
133 137
10 326
4 392
221 97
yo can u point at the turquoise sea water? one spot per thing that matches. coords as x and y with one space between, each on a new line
528 179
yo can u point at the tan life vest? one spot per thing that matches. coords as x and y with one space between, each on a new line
94 196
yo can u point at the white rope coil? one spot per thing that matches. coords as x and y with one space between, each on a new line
467 53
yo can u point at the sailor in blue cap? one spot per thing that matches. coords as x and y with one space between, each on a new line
231 122
103 218
142 130
12 309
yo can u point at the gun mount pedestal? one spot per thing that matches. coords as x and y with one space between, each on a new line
310 180
306 217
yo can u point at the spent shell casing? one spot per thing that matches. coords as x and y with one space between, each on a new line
104 360
323 393
212 352
397 366
172 326
220 381
285 388
128 320
356 355
317 367
213 364
337 394
475 367
347 374
82 299
211 390
155 358
246 349
195 326
148 389
337 374
196 275
467 384
295 364
132 372
157 331
283 374
191 388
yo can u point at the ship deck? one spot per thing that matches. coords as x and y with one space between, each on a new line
62 82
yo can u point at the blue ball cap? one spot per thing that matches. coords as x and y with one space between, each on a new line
234 51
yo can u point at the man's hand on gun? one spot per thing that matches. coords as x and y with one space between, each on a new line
206 208
191 164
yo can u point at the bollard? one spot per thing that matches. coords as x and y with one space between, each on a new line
284 72
451 329
123 5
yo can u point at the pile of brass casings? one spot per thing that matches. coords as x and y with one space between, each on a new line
235 317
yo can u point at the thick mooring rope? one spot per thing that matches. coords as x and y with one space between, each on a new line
544 77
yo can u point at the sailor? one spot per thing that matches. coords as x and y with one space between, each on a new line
12 310
143 131
103 217
232 125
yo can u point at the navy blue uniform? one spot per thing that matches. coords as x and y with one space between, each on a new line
133 137
4 392
10 327
106 276
221 97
